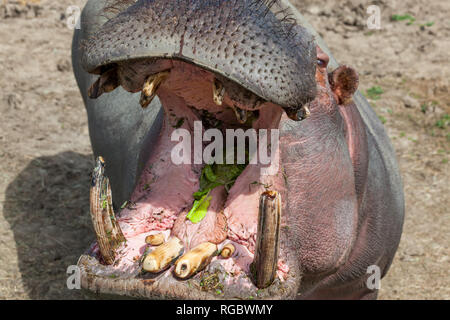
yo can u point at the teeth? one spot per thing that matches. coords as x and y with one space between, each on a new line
299 115
265 262
241 115
155 239
107 82
227 251
304 113
109 234
218 92
150 86
161 258
195 260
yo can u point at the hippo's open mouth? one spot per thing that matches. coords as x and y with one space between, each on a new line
212 228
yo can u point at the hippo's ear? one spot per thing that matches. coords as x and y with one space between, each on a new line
344 82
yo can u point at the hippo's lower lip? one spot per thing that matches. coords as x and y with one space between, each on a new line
164 196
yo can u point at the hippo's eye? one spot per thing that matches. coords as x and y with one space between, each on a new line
321 63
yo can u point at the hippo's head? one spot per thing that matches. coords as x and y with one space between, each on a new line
239 64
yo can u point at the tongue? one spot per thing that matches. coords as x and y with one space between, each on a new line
213 228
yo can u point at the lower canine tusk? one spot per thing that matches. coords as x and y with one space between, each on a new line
150 86
161 258
195 260
107 229
265 262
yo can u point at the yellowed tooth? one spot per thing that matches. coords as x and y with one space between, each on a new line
218 92
305 112
107 82
150 86
155 239
108 232
195 260
161 258
265 262
227 250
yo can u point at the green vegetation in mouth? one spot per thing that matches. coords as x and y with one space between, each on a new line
199 209
213 175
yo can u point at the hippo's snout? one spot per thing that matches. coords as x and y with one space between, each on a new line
243 41
227 197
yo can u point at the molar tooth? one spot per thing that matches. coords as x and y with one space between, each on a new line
304 113
108 232
265 262
161 258
227 250
218 92
241 115
195 260
107 82
150 86
155 239
299 115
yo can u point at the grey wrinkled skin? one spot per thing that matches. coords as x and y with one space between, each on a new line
123 133
118 129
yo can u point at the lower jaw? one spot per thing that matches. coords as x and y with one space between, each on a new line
160 203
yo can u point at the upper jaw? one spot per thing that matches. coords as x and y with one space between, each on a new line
242 41
198 87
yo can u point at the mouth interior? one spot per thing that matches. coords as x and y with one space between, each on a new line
166 192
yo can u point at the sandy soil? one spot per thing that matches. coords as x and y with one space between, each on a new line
45 155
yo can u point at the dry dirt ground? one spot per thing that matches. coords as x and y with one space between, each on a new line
45 155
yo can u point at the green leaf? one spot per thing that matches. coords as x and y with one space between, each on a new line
212 176
199 209
209 173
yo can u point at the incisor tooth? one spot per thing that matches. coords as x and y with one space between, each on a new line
218 92
227 250
150 86
265 262
161 258
195 260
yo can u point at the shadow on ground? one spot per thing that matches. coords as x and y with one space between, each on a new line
47 206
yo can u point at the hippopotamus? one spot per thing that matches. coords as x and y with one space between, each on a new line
331 209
